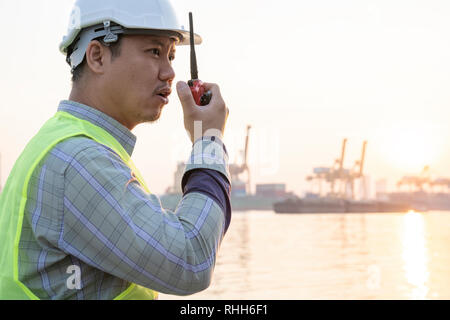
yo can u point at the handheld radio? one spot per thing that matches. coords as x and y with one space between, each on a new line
201 97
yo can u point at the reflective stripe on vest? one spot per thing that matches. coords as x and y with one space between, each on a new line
14 196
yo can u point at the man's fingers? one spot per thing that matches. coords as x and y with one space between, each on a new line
187 100
216 95
185 95
214 88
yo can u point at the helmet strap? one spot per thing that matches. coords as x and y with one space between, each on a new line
110 36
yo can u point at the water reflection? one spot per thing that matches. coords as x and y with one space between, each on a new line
237 261
332 256
415 254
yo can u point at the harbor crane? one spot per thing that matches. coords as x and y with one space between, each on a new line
338 175
419 182
443 183
357 172
331 175
416 182
236 170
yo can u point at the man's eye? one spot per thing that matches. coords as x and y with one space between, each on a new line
154 51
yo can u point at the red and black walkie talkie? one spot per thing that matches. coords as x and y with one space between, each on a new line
201 97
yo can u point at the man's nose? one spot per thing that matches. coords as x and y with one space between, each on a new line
167 73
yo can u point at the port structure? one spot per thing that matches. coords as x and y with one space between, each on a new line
241 186
340 180
416 183
441 184
424 182
357 173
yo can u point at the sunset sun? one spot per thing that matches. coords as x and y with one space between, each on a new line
410 148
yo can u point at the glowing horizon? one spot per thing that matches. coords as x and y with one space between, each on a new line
304 75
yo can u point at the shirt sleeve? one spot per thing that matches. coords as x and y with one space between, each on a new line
112 224
212 184
207 173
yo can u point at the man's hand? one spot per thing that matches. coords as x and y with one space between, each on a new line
212 117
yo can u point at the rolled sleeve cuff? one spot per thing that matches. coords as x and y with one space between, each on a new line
209 153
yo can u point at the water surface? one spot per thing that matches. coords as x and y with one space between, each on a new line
332 256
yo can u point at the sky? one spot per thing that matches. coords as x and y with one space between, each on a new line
304 74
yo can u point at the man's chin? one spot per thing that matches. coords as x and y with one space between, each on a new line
155 116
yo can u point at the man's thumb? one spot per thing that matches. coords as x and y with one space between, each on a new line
185 95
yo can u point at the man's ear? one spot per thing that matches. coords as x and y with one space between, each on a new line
96 56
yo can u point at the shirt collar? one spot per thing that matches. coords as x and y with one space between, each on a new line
102 120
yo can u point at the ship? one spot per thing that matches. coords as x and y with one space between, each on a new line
262 200
337 205
241 197
341 198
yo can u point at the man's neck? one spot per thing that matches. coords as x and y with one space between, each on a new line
95 101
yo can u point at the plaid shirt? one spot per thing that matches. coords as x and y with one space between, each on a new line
84 214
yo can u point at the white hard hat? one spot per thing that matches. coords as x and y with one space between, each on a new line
91 19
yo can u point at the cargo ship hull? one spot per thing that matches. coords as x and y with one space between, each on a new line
423 200
324 205
238 203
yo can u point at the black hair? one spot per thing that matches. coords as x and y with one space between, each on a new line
77 73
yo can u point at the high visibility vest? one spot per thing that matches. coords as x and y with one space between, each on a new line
14 197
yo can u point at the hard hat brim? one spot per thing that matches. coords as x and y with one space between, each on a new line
184 38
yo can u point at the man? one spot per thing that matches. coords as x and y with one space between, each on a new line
77 220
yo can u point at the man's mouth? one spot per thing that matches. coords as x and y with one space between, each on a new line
164 93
